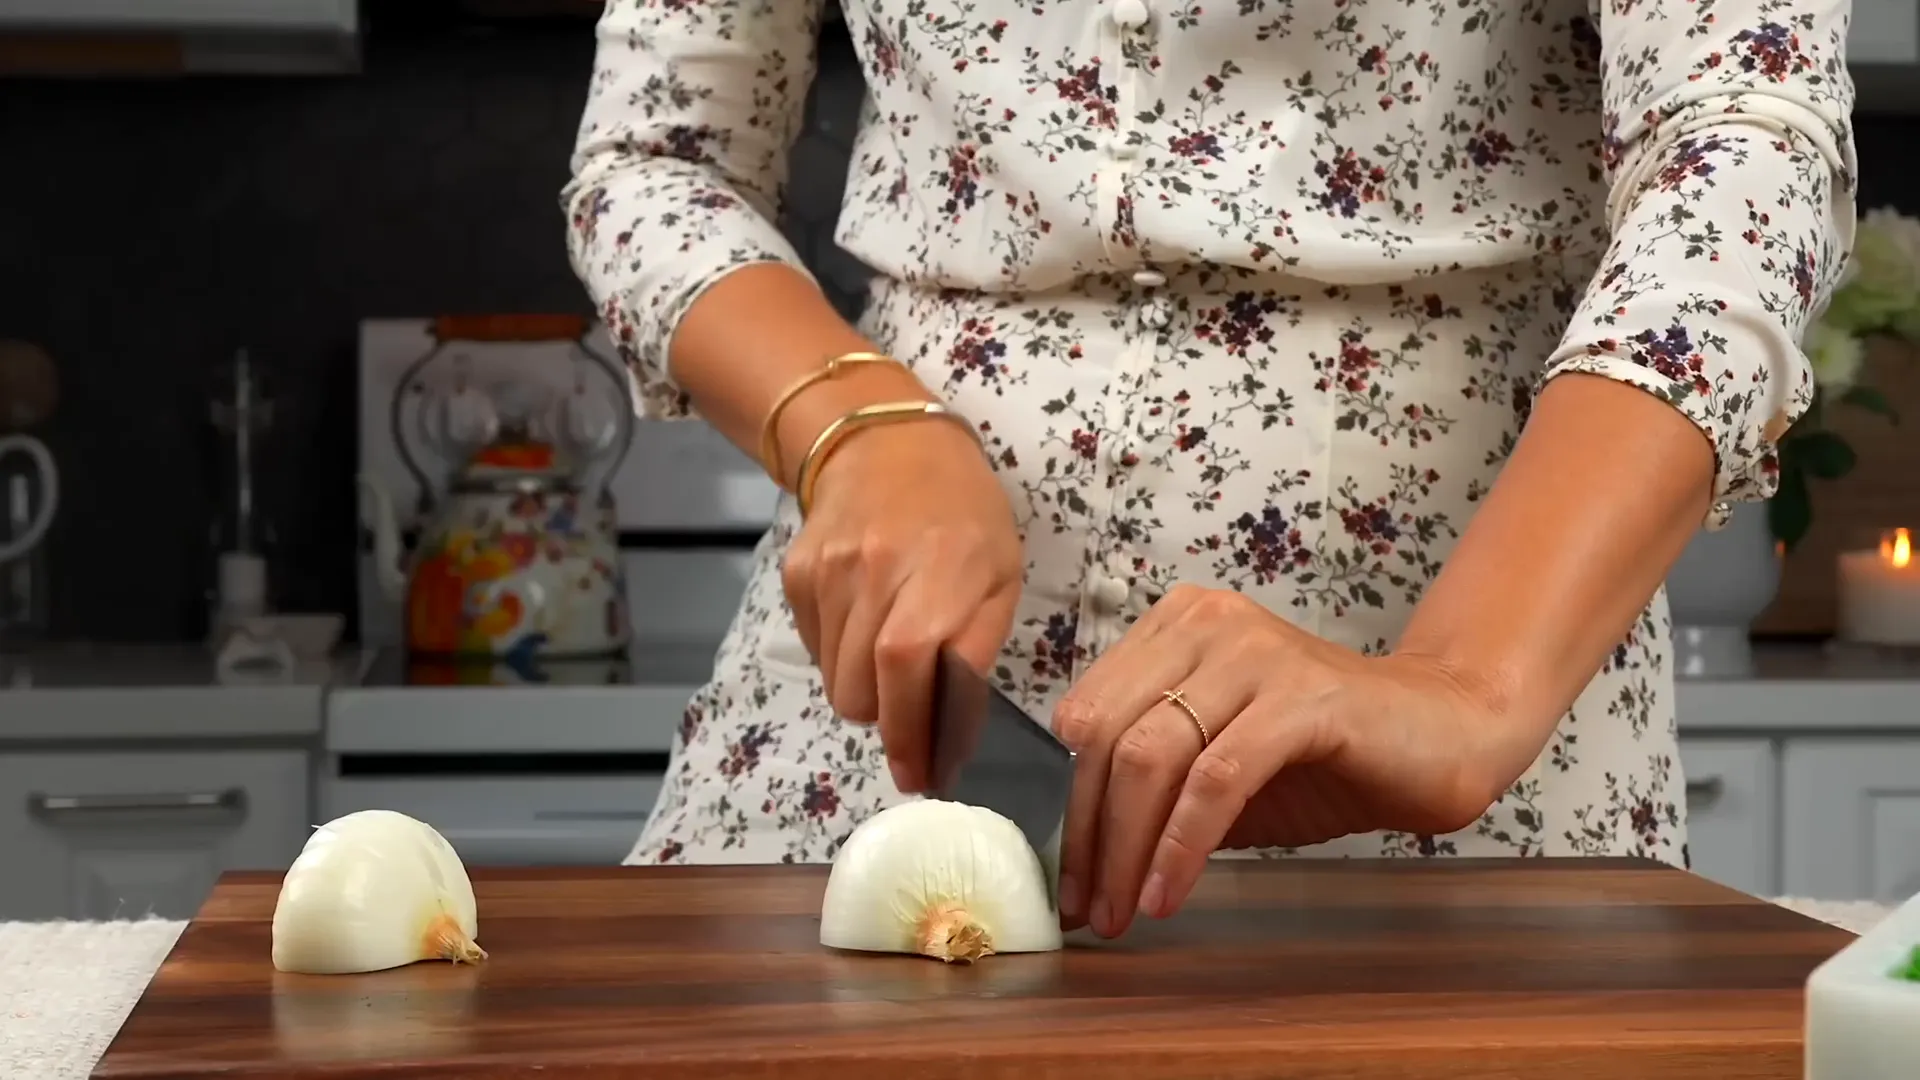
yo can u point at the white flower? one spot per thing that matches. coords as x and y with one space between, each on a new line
1882 279
1836 356
1904 231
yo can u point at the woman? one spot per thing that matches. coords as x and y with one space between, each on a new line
1248 306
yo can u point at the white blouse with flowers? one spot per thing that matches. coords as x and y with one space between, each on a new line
1250 293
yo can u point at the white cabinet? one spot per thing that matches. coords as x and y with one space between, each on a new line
1853 824
1733 811
124 834
513 820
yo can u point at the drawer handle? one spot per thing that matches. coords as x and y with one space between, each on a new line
56 806
1706 789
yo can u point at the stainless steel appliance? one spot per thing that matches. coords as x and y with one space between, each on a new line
559 761
689 505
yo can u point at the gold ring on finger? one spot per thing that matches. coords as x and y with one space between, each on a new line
1180 699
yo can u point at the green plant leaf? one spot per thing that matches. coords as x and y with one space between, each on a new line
1909 971
1906 324
1822 453
1870 400
1790 512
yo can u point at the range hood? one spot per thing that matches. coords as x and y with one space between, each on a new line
179 37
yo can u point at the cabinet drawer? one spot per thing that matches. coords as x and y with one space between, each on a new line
124 835
514 820
1733 812
1852 829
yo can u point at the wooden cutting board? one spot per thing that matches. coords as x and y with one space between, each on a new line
1310 970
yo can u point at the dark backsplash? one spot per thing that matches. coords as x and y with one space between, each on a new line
148 230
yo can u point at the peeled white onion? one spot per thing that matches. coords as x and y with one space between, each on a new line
940 879
373 890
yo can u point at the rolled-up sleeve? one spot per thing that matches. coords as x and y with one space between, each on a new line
1730 156
680 163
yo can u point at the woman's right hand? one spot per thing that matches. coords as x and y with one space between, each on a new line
909 546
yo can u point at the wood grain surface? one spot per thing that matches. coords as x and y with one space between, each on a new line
1310 970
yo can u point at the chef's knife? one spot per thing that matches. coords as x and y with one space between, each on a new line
988 752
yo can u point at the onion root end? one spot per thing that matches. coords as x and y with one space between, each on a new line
445 940
949 934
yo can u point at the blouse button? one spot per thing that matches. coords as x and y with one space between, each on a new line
1110 594
1149 279
1117 452
1120 148
1130 14
1155 316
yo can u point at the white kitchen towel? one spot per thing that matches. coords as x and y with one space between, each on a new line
66 987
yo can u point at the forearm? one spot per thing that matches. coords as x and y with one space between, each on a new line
1730 212
754 333
1602 493
672 208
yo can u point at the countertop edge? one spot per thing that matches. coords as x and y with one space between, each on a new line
1796 706
493 720
163 713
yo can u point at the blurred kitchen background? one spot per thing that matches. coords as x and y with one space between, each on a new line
223 246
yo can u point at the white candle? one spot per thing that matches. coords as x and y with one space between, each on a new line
1880 593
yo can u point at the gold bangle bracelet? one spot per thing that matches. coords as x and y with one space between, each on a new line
833 435
770 427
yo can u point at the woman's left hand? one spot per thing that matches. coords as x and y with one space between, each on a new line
1304 741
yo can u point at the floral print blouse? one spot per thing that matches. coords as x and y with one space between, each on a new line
1253 293
1017 145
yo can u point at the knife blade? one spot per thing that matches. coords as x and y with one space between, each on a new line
988 752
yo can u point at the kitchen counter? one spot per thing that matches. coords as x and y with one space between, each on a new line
84 693
65 987
584 707
560 766
1833 687
366 701
371 701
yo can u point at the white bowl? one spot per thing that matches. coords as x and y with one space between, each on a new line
309 637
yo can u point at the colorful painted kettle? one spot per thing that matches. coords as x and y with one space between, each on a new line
519 553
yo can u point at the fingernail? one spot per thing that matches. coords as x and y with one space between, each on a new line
1102 916
1153 895
1071 898
901 781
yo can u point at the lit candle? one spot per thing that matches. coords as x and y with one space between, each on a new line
1880 593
